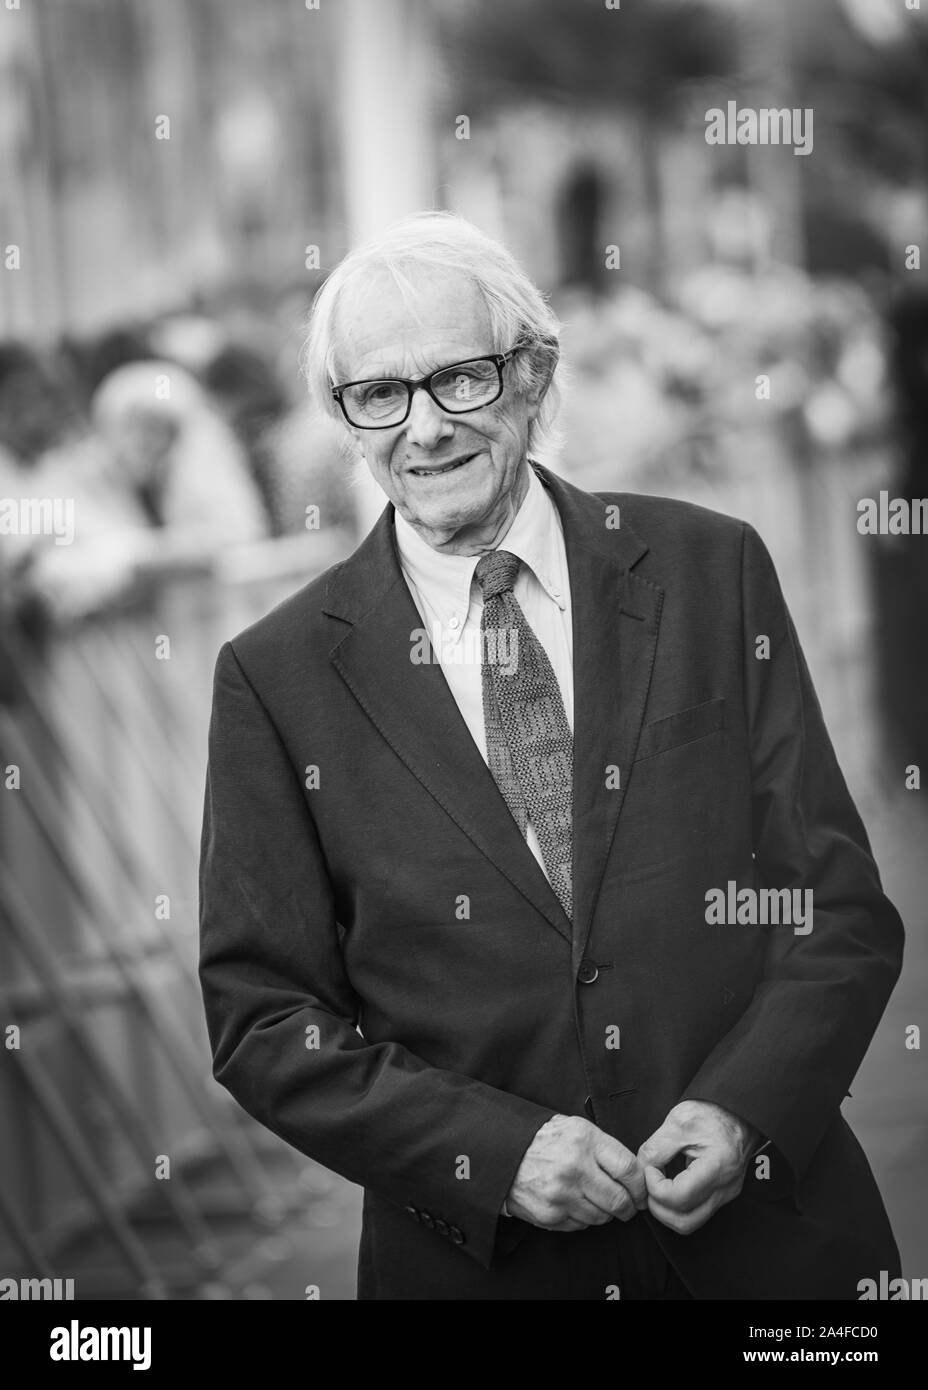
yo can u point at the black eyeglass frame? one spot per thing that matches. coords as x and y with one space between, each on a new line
499 359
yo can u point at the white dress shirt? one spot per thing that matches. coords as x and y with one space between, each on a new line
450 604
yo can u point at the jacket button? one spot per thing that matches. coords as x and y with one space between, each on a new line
413 1213
441 1227
588 972
457 1236
427 1220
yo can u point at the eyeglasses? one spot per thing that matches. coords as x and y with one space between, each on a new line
464 386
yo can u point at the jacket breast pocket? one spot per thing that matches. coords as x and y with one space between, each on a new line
671 821
685 726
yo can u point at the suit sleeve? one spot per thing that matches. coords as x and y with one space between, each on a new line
787 1063
282 1015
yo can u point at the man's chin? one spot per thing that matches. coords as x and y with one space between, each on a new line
448 515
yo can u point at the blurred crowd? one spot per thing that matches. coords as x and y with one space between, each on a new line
173 440
819 382
181 437
666 384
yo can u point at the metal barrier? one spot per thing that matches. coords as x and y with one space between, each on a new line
109 1110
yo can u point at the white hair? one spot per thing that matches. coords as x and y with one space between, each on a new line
431 241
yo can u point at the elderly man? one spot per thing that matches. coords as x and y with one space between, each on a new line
532 896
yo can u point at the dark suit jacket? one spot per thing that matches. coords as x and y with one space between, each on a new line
392 986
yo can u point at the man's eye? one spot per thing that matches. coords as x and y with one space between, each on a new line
469 384
466 376
380 393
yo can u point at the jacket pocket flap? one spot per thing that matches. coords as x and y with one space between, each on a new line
685 726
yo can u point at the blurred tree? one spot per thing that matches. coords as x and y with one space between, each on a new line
642 62
871 80
862 65
640 58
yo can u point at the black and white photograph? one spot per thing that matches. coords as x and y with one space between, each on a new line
463 665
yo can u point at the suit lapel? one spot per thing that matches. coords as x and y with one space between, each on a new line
615 620
413 708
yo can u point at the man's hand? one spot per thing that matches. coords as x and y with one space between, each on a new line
574 1175
718 1145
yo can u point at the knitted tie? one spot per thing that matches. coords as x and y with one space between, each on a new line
529 743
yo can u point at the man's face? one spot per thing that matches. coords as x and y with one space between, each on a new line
463 510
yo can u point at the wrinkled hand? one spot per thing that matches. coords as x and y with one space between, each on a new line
574 1175
718 1146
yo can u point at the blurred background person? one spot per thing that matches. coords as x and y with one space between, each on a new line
177 459
158 483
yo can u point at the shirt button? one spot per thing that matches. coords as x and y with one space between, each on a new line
454 622
588 972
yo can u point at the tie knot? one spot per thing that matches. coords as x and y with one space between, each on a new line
496 572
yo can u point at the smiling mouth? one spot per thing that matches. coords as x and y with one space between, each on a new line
439 469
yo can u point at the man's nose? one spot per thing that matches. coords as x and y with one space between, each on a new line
427 422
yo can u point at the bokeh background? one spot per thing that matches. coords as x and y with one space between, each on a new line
176 180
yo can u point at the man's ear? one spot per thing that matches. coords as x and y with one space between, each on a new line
351 436
347 440
545 356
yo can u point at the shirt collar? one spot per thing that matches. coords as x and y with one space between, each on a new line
445 581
